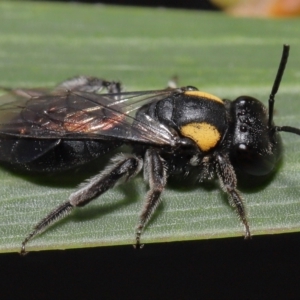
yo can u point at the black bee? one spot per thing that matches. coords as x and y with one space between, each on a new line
171 132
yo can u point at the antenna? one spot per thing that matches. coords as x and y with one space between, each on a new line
282 64
283 61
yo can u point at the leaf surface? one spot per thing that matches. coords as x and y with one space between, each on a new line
42 44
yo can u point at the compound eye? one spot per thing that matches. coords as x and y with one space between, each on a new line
254 161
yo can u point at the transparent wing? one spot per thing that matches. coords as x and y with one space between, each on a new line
82 115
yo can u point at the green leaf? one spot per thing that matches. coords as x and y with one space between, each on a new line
42 44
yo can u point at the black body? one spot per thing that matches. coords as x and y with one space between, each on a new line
49 156
171 132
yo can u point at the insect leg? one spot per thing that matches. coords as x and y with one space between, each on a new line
156 174
123 168
228 183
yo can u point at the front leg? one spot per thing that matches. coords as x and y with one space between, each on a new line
155 173
228 183
123 168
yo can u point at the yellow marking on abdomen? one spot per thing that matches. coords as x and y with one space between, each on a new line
204 95
205 135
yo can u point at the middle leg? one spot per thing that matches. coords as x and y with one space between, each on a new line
155 173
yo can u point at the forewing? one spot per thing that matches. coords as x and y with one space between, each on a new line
82 115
